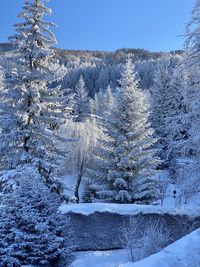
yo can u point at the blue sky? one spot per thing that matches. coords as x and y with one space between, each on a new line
110 24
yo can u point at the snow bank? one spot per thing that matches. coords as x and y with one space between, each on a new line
183 253
126 209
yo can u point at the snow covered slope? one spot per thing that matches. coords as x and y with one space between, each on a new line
183 253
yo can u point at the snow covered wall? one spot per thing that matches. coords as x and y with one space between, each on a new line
99 226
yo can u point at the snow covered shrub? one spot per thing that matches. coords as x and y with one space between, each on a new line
188 182
140 245
31 230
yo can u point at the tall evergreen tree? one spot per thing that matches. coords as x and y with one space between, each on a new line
187 174
81 101
167 100
192 43
161 96
108 99
102 103
122 169
176 120
31 107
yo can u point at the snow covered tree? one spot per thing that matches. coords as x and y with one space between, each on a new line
102 103
99 104
167 102
80 152
31 107
192 43
81 99
184 126
177 122
161 96
109 99
124 164
31 229
188 182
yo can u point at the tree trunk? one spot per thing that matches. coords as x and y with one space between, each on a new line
76 190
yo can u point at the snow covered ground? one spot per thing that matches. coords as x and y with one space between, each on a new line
183 253
100 258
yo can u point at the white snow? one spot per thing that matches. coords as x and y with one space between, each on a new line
100 258
90 208
183 253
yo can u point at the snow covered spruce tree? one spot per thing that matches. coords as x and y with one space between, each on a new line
167 103
31 230
31 107
123 167
97 104
188 149
192 43
81 101
176 121
161 97
108 100
102 103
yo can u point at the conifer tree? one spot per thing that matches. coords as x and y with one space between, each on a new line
176 120
81 101
192 44
31 230
161 96
102 103
108 99
124 164
31 106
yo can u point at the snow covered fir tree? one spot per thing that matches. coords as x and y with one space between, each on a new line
81 101
99 150
123 168
30 109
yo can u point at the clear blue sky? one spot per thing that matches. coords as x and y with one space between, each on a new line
110 24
